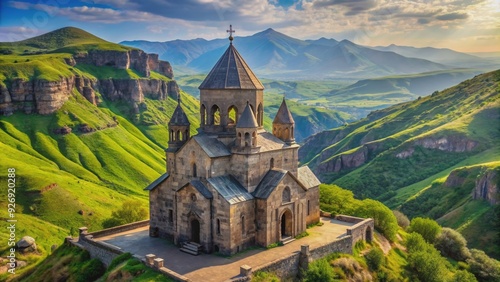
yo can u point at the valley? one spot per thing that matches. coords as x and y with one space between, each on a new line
84 123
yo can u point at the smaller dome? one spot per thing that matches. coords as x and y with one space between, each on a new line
179 117
283 116
247 119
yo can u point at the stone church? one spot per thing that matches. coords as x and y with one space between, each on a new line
234 184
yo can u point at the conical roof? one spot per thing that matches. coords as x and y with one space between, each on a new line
179 117
283 115
247 119
231 72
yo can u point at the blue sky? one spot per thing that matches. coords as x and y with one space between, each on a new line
462 25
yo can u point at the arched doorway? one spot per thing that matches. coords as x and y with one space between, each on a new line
286 224
368 234
195 231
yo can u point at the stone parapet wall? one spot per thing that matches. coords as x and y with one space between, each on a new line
119 229
285 267
343 245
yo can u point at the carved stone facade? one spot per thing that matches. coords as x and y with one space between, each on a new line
233 185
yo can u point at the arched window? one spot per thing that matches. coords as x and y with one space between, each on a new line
203 114
286 196
181 136
172 135
243 225
186 134
194 170
248 141
254 139
218 226
271 163
260 115
215 115
286 134
308 207
232 113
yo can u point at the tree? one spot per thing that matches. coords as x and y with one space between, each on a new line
130 211
319 271
384 219
402 219
427 265
463 276
428 228
415 242
452 244
374 259
484 267
336 200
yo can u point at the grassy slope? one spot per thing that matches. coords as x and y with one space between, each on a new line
467 111
78 179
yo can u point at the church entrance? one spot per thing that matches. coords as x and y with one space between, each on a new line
195 231
286 224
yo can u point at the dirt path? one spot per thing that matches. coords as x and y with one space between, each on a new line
384 244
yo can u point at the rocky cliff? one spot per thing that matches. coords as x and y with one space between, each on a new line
487 187
45 97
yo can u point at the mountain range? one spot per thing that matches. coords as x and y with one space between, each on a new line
437 156
276 55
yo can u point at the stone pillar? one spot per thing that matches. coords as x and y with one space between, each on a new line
82 232
67 240
158 263
150 259
246 270
304 258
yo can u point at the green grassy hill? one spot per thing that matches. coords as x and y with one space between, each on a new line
397 153
107 153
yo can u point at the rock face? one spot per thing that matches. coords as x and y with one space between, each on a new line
131 59
487 187
41 96
348 160
455 144
26 245
45 97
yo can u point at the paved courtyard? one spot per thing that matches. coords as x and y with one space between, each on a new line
210 267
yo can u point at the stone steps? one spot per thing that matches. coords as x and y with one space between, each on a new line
286 240
191 248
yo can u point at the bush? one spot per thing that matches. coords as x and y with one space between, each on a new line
427 265
91 271
384 219
484 267
261 276
401 218
130 211
428 228
374 259
452 244
463 276
319 271
415 242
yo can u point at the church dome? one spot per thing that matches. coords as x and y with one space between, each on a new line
231 72
179 117
284 116
247 119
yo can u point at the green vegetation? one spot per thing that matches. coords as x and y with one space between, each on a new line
261 276
131 211
428 228
339 201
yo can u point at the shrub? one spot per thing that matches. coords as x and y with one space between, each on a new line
384 219
91 271
401 218
319 271
428 228
463 276
374 259
130 211
415 242
484 267
452 244
427 265
261 276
